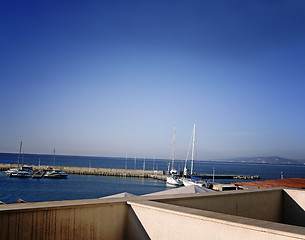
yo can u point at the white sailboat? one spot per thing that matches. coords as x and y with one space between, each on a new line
23 171
186 181
55 173
173 177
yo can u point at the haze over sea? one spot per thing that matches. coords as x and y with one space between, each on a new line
86 187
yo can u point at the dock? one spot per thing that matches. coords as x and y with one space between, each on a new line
155 174
210 176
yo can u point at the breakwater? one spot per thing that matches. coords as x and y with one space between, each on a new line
116 172
156 174
210 176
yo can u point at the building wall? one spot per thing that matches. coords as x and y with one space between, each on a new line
260 204
163 221
228 215
65 221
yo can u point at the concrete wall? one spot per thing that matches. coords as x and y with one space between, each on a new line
257 204
184 216
163 221
64 220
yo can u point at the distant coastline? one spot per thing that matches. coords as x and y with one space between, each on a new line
264 160
254 160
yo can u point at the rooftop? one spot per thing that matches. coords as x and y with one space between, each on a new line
271 213
298 183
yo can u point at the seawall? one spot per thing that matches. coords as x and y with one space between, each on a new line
99 171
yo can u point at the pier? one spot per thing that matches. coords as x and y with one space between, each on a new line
155 174
210 176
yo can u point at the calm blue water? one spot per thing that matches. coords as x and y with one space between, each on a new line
86 187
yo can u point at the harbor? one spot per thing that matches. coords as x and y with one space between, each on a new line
105 177
137 173
155 174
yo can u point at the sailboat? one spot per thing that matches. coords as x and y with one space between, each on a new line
173 177
193 180
55 173
23 171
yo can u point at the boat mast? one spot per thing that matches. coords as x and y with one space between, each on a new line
126 162
135 162
193 149
187 156
19 153
173 149
54 158
144 167
22 162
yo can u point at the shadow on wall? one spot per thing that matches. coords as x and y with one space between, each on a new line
134 229
293 208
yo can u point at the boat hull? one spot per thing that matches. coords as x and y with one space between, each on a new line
188 182
55 176
55 173
174 181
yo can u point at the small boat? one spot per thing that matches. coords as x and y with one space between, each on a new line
21 200
55 173
52 172
25 171
20 173
192 181
174 180
10 171
38 174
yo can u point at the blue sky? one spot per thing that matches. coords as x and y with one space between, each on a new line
110 78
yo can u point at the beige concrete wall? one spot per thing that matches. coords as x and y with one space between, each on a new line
63 220
188 216
163 221
258 204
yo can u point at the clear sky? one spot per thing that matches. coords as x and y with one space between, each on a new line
110 78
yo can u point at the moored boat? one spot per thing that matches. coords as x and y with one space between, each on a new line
197 182
55 173
193 180
38 174
25 171
173 178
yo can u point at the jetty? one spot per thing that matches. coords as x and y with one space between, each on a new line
137 173
116 172
227 176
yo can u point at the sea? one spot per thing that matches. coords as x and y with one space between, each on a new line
88 187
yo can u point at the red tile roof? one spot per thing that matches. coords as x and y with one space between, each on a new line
283 183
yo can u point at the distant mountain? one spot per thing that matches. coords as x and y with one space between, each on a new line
269 160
